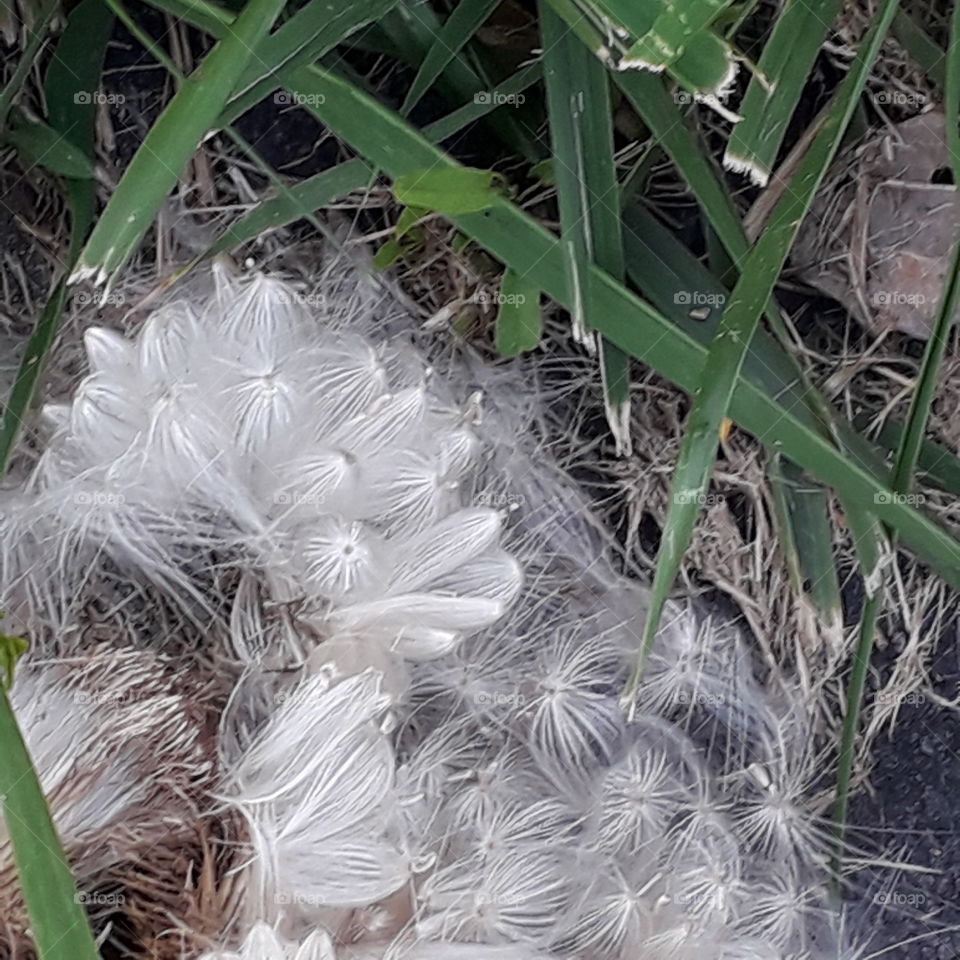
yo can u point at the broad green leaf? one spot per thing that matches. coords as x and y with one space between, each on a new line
449 191
519 324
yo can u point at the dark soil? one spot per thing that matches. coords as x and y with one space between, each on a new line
915 814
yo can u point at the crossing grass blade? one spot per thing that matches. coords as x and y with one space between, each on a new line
661 267
585 174
309 34
389 143
302 199
724 362
58 925
908 454
464 20
776 89
170 143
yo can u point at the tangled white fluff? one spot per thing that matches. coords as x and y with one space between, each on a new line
431 634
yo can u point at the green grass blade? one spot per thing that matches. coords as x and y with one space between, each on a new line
72 76
388 142
464 21
170 144
58 924
773 94
38 144
806 536
908 456
581 131
759 274
308 35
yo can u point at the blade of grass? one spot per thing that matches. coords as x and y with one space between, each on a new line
581 131
308 35
908 454
170 143
760 272
464 21
57 922
514 238
807 539
75 69
774 92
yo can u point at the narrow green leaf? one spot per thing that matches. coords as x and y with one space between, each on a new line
585 173
449 191
729 348
170 144
57 922
774 92
675 27
38 144
464 21
907 458
806 537
311 33
519 325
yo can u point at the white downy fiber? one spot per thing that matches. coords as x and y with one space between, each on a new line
427 633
